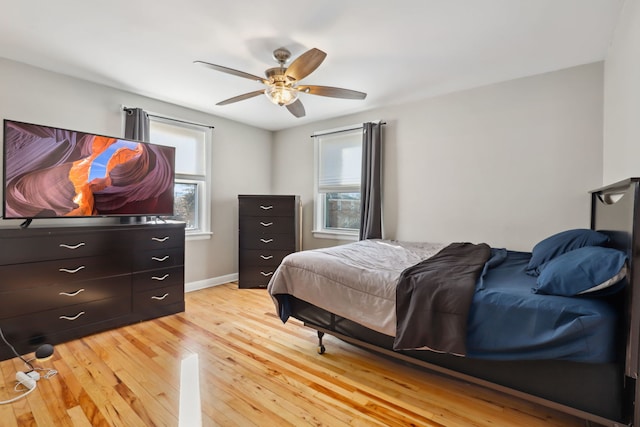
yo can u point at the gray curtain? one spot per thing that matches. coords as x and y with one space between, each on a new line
371 182
136 124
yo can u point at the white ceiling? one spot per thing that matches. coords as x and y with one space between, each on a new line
395 51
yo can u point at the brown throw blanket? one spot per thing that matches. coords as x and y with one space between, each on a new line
433 299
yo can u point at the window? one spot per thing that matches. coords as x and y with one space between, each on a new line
192 169
338 162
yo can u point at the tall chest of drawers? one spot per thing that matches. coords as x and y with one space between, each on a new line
269 230
58 284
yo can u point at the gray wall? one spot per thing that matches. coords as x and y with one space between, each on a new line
241 155
622 98
505 164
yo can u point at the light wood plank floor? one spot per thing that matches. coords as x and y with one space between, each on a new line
253 371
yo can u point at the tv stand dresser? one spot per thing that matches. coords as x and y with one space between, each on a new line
62 283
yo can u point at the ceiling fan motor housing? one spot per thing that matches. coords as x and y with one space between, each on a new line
277 76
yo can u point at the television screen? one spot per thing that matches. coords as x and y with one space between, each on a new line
50 172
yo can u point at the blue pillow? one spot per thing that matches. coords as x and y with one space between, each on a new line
561 243
583 270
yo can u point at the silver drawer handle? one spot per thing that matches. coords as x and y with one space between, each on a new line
266 257
72 318
266 224
266 274
164 258
63 245
71 271
266 208
266 240
71 294
160 298
160 239
159 278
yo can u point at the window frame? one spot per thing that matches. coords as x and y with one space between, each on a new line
203 181
319 219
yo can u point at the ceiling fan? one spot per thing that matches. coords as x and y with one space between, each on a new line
282 82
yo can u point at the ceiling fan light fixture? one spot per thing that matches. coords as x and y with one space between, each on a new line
282 82
281 95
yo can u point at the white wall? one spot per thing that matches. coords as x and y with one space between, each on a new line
505 164
622 98
241 155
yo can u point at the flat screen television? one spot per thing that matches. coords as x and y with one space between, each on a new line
50 172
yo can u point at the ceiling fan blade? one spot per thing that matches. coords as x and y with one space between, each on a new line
296 108
241 97
305 64
231 71
334 92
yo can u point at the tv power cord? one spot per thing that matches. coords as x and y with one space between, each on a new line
26 381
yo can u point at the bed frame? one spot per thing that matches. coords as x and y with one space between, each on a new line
606 394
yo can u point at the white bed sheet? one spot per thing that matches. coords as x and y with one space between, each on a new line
356 281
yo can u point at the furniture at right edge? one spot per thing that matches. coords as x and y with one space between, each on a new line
269 230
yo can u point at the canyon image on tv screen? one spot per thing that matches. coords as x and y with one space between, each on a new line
51 172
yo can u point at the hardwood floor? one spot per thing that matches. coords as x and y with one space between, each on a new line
253 371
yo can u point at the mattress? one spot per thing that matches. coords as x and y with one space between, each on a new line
507 321
356 281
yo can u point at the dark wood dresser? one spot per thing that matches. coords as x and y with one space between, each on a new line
269 230
58 284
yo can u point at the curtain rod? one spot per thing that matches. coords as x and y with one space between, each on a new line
342 130
172 119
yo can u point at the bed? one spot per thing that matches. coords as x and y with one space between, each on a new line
559 326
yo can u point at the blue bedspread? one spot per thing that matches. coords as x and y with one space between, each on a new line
508 321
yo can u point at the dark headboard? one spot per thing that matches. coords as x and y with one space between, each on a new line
614 209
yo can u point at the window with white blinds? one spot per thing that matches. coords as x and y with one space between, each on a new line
340 161
338 158
189 142
191 167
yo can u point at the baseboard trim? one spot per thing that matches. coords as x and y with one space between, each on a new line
208 283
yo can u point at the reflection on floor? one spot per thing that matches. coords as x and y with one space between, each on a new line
190 414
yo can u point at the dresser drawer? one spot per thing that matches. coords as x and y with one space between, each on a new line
256 277
27 328
159 238
25 300
83 314
158 258
36 245
267 206
37 274
155 302
252 257
268 241
152 279
258 225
